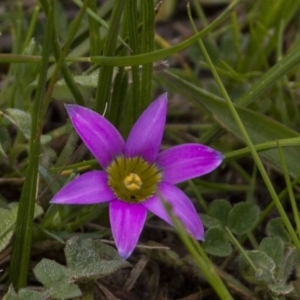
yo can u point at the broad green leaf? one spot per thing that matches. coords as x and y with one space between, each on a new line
275 227
243 217
8 219
273 247
283 272
287 264
22 120
208 221
38 211
264 267
216 243
56 279
23 294
86 84
259 127
4 138
281 288
91 259
220 209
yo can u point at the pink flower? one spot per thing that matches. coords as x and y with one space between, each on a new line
135 175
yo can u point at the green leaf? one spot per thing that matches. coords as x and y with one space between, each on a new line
8 219
264 264
273 247
24 294
23 122
21 119
27 72
38 211
4 138
91 259
243 217
56 279
86 83
216 243
296 285
103 91
287 264
54 187
275 227
220 209
61 22
208 221
281 289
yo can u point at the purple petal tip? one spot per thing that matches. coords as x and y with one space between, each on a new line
220 156
124 255
145 136
71 108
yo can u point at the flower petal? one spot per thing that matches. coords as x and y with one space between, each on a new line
99 135
146 134
182 207
187 161
89 188
127 221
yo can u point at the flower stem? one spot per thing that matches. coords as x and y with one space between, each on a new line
87 289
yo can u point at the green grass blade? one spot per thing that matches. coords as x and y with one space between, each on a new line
60 61
132 23
103 92
147 45
202 261
240 124
68 77
236 154
95 40
260 128
32 25
23 232
133 60
286 64
144 58
289 188
94 15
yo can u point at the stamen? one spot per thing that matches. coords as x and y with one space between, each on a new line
132 179
133 182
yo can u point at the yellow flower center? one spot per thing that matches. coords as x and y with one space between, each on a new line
133 180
